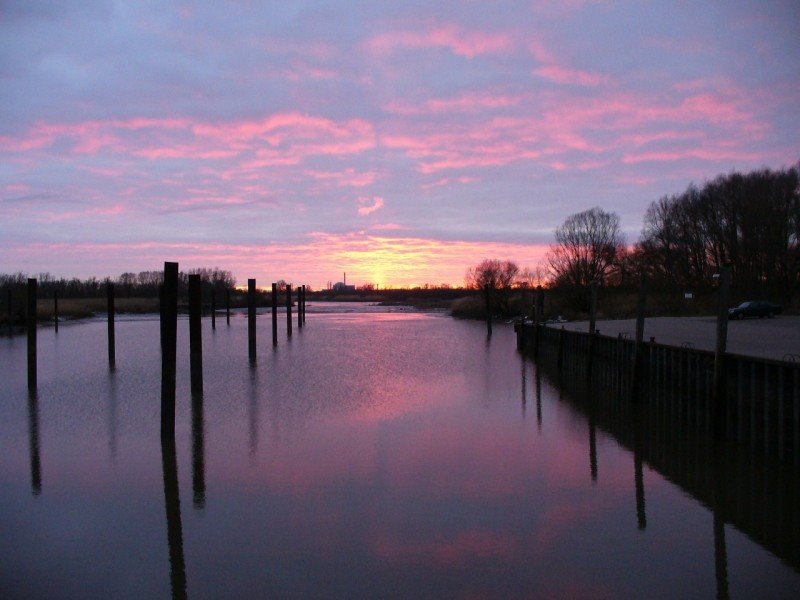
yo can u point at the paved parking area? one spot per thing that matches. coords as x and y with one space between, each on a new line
767 338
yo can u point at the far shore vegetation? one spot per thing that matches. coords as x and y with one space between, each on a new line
749 223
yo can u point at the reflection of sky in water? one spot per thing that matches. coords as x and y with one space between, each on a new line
373 454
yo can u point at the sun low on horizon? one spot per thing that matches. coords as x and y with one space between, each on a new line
400 143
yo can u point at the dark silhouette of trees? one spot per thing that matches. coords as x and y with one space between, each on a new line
499 275
588 249
749 221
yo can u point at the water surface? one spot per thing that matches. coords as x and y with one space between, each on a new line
374 454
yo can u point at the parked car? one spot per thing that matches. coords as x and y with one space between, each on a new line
754 309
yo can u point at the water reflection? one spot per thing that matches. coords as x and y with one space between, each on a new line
198 452
172 500
252 413
112 414
33 436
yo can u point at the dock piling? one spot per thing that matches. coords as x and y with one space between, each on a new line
299 307
169 335
31 322
251 319
228 306
213 308
55 310
289 310
195 335
274 314
112 353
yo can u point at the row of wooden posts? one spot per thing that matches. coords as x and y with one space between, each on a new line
718 396
169 327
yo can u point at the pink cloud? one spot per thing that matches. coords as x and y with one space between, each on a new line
570 76
468 103
367 206
459 41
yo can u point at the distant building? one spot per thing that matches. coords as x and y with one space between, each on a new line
342 287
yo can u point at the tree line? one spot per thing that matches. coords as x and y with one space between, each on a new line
144 284
749 222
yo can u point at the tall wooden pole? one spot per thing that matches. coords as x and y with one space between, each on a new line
213 308
10 311
299 307
169 332
274 314
112 353
227 306
538 318
55 310
251 319
638 353
488 301
31 322
289 309
720 388
195 335
304 304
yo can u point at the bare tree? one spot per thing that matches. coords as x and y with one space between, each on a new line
587 246
499 275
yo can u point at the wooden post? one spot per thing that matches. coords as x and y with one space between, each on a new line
289 309
161 319
299 307
227 306
31 322
251 319
10 311
487 299
723 301
274 314
169 332
195 335
304 304
592 328
213 308
538 320
55 310
638 353
112 354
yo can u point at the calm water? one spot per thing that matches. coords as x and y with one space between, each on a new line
374 454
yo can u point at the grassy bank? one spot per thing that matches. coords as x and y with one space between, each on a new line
81 308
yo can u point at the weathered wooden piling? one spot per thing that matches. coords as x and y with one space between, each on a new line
213 308
195 335
228 306
251 319
488 301
31 322
638 352
719 385
304 304
538 320
55 310
289 309
10 311
112 352
169 334
299 307
274 314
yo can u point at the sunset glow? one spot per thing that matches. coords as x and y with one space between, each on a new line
398 143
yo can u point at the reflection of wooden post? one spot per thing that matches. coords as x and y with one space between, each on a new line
227 306
213 308
251 319
198 453
638 358
560 359
274 314
641 515
289 309
31 322
488 301
592 443
172 500
195 335
720 387
55 310
112 353
33 438
169 332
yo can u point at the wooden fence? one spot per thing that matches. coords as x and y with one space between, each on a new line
760 397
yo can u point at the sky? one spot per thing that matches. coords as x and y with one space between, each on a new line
399 141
